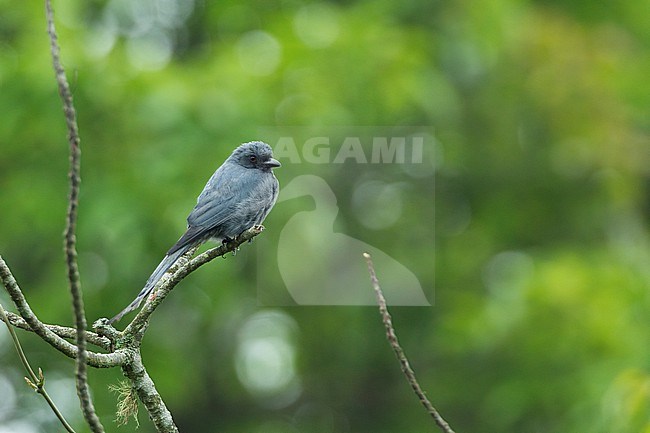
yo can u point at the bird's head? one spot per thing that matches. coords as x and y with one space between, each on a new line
255 154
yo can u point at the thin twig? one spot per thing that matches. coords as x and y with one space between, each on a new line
98 360
166 286
392 339
70 240
61 331
37 382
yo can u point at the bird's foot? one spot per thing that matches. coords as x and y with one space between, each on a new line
225 242
259 228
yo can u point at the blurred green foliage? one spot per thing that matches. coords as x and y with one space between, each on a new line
542 248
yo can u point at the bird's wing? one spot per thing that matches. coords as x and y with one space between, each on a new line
218 200
215 206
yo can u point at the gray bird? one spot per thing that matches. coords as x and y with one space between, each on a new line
238 196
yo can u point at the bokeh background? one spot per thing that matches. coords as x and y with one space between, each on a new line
538 112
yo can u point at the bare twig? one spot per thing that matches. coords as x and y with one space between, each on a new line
70 240
37 382
392 339
99 360
183 270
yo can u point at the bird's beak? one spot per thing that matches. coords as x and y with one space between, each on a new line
272 163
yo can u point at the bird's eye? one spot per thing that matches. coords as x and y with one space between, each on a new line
252 159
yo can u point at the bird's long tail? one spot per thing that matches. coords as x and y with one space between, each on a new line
157 274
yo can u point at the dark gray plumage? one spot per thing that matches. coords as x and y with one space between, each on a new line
238 196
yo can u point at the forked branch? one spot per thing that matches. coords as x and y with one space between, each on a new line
99 360
61 331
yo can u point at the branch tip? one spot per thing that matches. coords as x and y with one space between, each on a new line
401 356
